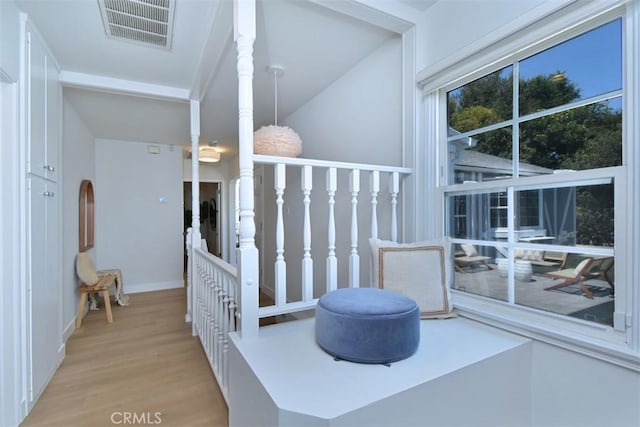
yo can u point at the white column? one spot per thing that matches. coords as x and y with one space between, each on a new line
332 261
244 35
307 261
354 258
281 265
374 188
394 189
195 199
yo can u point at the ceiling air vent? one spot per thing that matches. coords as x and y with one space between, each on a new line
145 22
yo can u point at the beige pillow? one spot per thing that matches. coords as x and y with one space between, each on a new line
469 250
86 269
418 270
529 254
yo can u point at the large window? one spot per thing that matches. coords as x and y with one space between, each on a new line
534 174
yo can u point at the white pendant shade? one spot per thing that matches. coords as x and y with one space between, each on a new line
276 140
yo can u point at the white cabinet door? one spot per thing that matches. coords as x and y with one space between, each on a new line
43 108
52 121
36 105
44 284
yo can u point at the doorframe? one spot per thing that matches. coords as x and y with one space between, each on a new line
222 227
13 359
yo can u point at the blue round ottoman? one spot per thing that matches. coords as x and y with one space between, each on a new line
367 325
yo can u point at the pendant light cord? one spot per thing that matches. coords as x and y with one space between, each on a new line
275 97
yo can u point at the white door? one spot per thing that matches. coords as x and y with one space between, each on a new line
43 292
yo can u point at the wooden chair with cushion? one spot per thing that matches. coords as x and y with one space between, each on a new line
91 281
470 256
588 268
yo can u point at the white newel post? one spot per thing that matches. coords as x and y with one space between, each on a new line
332 261
354 258
307 261
281 265
195 205
244 29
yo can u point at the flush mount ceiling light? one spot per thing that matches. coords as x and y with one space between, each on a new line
209 154
276 140
145 22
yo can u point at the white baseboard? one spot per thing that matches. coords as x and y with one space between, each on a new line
269 291
149 287
68 330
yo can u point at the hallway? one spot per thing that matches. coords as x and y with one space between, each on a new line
145 366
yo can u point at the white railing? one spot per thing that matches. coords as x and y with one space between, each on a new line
288 298
214 284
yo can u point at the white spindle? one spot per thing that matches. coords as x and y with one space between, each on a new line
374 188
394 189
307 261
332 261
223 301
281 266
232 327
244 36
354 258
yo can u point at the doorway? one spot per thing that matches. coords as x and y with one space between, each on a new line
210 214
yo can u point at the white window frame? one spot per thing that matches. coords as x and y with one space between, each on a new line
620 345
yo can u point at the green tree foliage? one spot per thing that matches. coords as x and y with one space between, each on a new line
581 138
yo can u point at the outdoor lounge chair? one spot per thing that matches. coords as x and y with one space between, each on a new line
470 257
589 268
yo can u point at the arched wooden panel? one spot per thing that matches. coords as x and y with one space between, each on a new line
87 215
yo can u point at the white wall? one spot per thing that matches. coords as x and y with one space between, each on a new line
135 232
9 34
359 117
570 389
79 160
454 28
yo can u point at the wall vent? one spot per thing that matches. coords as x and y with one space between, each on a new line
145 22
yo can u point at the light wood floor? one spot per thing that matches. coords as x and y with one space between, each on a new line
146 362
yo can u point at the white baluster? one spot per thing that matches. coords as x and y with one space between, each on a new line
225 339
222 306
394 189
307 262
213 311
281 265
374 188
354 258
332 261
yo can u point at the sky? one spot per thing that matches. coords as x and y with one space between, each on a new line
592 61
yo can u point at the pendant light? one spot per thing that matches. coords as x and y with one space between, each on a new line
209 153
276 140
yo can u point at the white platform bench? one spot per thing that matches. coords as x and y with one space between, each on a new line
463 373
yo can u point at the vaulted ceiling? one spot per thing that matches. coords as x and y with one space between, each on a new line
127 91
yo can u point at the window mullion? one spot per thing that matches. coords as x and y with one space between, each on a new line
511 238
515 114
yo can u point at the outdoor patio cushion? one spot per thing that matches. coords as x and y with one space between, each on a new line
367 325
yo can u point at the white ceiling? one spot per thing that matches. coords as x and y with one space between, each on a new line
314 44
